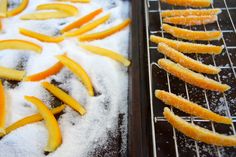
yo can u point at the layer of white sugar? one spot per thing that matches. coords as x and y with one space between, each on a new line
81 135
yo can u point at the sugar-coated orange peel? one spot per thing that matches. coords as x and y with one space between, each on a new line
40 37
189 3
55 138
30 119
75 1
19 45
105 52
186 61
2 109
67 99
18 9
44 15
3 8
187 47
191 20
198 133
11 74
191 35
191 77
78 71
78 23
105 33
190 107
189 12
87 27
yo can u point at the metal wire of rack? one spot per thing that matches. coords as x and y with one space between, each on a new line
166 140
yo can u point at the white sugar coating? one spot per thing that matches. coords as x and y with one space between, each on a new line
81 134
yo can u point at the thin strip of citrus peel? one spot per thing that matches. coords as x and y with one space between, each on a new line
19 9
105 52
186 61
3 8
41 37
54 132
30 119
191 35
187 47
78 23
67 99
105 33
191 77
191 20
78 71
190 107
19 45
198 133
188 12
45 15
11 74
87 27
2 109
189 3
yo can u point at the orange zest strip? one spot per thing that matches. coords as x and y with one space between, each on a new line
105 33
11 74
3 8
186 61
105 52
31 119
19 45
40 37
67 99
78 71
54 131
198 133
187 47
191 35
190 107
45 15
78 23
2 109
19 9
191 77
189 3
87 27
188 12
191 20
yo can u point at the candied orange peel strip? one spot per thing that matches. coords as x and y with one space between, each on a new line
41 37
191 77
45 15
87 27
11 74
105 52
19 45
78 23
105 33
3 8
55 138
187 47
190 107
189 3
191 20
198 133
67 99
2 109
31 119
78 71
18 9
186 61
188 12
191 35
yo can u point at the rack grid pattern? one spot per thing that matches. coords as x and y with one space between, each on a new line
166 140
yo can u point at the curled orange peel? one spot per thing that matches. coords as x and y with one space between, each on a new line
198 133
190 12
18 9
11 74
78 71
105 33
2 109
40 37
67 99
55 138
189 3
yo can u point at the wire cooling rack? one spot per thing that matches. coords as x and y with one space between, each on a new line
166 140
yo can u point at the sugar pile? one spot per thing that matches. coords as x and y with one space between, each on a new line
81 135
